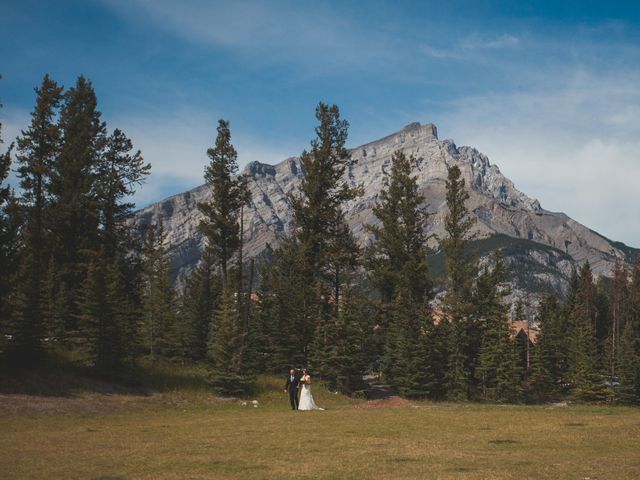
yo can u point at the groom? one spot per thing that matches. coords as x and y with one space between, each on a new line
292 388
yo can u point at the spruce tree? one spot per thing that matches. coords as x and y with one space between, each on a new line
118 170
108 318
282 316
323 189
408 356
159 325
326 254
585 368
229 194
199 301
629 369
398 256
228 373
548 372
397 262
619 305
339 346
38 148
462 334
498 372
11 220
74 212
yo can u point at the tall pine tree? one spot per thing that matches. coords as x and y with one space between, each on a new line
462 334
10 226
629 370
398 255
118 170
498 372
38 148
325 251
161 335
228 372
408 350
74 212
397 262
221 214
199 301
548 370
339 353
585 367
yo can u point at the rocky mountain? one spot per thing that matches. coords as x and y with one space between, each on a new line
541 247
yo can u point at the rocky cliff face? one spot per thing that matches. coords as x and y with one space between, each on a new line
555 240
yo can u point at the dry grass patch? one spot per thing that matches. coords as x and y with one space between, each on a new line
228 440
179 430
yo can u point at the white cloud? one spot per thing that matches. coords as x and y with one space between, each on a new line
267 32
505 40
573 144
176 143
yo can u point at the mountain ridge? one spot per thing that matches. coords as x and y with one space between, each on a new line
501 209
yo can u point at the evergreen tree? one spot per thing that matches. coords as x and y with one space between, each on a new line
117 171
55 308
585 368
342 256
228 373
398 256
548 370
229 194
629 370
74 211
108 318
10 226
198 304
462 334
325 251
619 303
159 326
282 315
339 346
37 150
498 371
397 262
408 356
323 190
100 322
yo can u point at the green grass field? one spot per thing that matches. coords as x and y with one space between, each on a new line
184 432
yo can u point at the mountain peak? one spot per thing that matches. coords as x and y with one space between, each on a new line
498 205
428 129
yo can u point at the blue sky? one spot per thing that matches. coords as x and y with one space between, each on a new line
550 91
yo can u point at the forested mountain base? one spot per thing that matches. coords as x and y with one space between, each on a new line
76 277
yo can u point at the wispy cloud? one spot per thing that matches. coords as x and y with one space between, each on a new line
267 32
176 146
468 47
478 42
574 145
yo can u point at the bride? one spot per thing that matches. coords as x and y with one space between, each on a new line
306 399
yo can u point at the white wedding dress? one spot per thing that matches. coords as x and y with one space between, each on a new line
306 399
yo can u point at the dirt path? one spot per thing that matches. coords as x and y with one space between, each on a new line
381 395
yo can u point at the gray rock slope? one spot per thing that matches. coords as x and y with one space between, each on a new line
553 242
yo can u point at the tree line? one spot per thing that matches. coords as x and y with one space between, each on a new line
79 278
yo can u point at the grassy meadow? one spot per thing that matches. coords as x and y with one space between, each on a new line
179 430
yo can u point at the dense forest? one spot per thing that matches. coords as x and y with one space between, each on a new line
77 277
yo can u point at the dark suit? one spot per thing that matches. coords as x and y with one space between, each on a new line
292 388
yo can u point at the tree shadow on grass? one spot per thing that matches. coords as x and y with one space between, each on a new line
61 377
